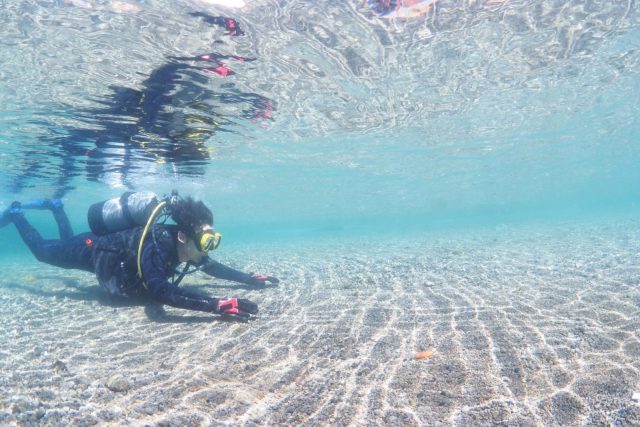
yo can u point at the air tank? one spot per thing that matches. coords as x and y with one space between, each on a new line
132 209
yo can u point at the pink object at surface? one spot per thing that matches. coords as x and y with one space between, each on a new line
410 9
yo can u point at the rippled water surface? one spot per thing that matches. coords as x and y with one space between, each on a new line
307 111
446 189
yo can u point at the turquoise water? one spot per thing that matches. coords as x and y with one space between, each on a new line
461 182
474 114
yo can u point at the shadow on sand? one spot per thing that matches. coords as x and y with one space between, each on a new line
78 292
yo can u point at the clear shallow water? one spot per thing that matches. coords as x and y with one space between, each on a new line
485 112
527 326
464 182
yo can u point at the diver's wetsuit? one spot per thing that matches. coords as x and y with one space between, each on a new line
113 258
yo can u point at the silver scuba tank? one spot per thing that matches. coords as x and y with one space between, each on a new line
121 213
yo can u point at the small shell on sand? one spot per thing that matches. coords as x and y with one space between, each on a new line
424 354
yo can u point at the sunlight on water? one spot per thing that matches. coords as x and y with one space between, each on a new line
446 189
304 112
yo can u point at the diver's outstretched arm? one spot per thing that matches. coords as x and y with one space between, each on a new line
156 272
221 271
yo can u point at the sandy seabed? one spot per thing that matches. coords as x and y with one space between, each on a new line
522 328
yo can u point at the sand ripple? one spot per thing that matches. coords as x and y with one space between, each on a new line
525 329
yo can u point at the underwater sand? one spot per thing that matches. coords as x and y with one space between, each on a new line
523 328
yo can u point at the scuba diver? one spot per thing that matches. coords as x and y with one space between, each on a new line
135 254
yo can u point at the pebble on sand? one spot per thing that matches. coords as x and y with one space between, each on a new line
59 366
116 383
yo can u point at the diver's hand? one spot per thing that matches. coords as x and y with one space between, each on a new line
261 280
237 307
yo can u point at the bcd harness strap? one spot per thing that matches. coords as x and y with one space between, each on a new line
152 217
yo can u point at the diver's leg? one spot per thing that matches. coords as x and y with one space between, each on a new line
57 208
30 235
68 253
64 226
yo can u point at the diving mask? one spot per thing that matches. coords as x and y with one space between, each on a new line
208 240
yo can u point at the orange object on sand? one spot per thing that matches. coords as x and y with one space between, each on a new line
424 354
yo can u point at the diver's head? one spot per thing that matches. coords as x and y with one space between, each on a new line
196 235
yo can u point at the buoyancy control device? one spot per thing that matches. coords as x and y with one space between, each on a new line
132 209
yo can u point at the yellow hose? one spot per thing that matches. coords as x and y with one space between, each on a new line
142 237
